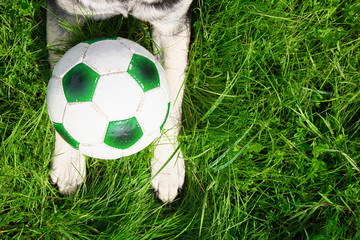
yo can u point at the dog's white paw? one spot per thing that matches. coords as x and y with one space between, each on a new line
170 179
68 169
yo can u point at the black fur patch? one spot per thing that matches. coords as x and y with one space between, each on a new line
164 4
54 7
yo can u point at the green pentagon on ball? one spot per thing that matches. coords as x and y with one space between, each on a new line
94 40
123 134
59 127
144 71
79 83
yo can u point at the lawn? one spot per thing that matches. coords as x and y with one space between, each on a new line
271 130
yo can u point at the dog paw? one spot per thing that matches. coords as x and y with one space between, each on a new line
68 171
169 180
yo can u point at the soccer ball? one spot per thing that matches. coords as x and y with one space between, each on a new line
108 98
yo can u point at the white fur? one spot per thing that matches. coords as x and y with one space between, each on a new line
171 34
68 167
171 178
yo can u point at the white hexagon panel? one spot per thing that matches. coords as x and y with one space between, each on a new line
56 100
86 123
163 80
136 49
72 57
118 96
108 56
153 110
101 150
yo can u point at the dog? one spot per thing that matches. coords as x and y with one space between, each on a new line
171 33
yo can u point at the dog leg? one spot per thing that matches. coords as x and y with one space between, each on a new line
68 167
68 164
55 33
174 49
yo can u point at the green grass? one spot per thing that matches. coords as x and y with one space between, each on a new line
271 130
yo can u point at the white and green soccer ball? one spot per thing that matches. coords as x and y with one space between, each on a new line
108 98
